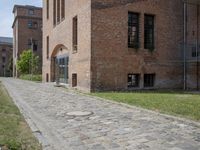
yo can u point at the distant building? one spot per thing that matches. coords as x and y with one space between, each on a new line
6 51
27 32
97 45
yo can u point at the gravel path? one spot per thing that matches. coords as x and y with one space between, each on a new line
110 126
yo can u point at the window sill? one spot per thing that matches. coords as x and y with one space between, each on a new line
134 49
133 87
149 88
150 50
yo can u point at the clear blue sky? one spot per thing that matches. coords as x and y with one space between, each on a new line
6 15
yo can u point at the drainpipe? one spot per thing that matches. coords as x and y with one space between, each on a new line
197 48
32 59
185 45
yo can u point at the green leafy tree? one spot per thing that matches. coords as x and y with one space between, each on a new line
28 63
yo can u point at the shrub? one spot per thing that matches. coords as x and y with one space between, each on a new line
31 77
28 63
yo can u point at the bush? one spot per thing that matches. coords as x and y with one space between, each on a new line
31 77
28 62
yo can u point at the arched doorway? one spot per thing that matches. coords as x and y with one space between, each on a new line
60 64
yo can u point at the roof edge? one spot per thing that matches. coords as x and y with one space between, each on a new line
25 6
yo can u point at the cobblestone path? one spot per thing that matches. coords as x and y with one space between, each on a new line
110 126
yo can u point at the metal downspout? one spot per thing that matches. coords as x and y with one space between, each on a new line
185 44
197 47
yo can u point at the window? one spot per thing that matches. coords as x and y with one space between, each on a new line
3 50
31 12
3 59
30 24
54 12
62 9
58 11
133 80
195 53
74 80
35 25
47 77
149 32
47 47
47 7
133 30
149 80
33 44
75 34
61 66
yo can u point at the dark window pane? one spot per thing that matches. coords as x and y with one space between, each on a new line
30 24
133 80
54 12
58 11
47 46
149 32
47 7
3 59
35 45
74 80
35 24
133 30
62 9
149 80
75 34
31 12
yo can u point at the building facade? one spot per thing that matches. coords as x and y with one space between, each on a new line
27 32
6 51
97 45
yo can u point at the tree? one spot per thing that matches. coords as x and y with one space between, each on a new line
10 67
28 63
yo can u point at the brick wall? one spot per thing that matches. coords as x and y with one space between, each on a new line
61 35
112 60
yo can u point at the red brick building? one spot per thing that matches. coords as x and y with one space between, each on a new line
6 51
97 45
27 32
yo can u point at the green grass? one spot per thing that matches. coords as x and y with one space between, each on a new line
179 104
14 132
31 77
